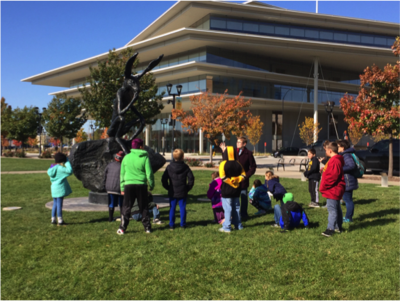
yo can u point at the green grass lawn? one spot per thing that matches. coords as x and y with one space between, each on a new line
88 260
14 164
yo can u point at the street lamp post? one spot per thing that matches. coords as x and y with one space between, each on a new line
283 99
179 90
329 108
40 128
163 121
92 127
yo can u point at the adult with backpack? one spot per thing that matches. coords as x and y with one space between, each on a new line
351 172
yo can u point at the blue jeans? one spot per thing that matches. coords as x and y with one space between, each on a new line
335 216
182 208
277 213
57 207
244 203
114 200
231 208
348 199
156 214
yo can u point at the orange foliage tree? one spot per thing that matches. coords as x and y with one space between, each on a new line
4 142
54 141
80 136
308 129
254 130
17 143
215 115
104 134
32 141
376 109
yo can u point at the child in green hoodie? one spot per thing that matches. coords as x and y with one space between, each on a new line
60 188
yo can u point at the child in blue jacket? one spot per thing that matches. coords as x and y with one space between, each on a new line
59 185
259 197
273 185
292 214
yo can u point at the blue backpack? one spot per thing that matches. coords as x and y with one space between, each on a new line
359 171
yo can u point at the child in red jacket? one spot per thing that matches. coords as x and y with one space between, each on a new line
332 188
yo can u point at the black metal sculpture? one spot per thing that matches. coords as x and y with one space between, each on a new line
126 97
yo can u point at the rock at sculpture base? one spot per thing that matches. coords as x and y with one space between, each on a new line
90 158
100 198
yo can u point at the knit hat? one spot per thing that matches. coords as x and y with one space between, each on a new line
137 143
288 197
119 156
60 158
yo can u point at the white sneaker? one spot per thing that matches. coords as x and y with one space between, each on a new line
275 226
148 231
120 232
157 221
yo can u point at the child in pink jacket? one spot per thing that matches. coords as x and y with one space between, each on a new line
214 194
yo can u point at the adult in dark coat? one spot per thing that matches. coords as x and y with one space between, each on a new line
246 159
349 169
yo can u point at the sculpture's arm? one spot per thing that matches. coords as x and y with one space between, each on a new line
150 66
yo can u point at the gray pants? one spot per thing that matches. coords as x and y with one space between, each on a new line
335 216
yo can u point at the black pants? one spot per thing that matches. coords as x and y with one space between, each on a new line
133 192
313 189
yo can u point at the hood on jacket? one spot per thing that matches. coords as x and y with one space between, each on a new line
140 152
350 150
229 154
178 166
52 171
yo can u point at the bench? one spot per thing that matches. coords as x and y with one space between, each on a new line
282 163
303 162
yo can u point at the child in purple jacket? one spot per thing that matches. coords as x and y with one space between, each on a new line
214 194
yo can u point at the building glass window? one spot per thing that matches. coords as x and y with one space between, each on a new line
302 32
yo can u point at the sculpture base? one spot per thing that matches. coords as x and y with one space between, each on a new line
98 198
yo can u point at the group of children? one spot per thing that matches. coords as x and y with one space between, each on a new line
126 181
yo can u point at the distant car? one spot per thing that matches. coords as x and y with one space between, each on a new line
376 157
320 152
287 151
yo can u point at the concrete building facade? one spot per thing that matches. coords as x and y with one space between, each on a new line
276 57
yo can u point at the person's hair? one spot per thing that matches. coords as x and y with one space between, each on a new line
270 175
244 140
257 183
312 151
343 143
178 154
333 147
215 175
325 144
137 143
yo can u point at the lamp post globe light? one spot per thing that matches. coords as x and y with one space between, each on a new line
40 127
329 109
179 90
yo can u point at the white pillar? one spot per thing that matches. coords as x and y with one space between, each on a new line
315 96
200 141
147 135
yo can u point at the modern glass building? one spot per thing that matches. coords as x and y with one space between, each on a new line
289 63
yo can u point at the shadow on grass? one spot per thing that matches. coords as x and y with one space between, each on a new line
379 222
381 213
365 202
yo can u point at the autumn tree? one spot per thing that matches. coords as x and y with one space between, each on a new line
81 136
254 130
355 135
32 141
104 82
375 110
308 129
4 142
215 115
54 141
63 117
17 143
21 124
104 134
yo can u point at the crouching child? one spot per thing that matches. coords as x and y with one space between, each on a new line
259 197
292 214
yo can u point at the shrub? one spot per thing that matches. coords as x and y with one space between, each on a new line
46 154
209 164
8 154
20 153
192 162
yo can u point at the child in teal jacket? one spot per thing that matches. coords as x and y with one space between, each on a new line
60 188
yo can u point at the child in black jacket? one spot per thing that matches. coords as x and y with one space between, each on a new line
314 176
178 179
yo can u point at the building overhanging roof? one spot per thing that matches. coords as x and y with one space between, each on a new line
185 13
347 57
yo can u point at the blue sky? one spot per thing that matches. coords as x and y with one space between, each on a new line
40 36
